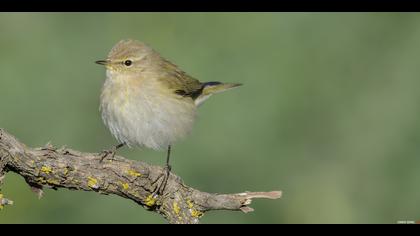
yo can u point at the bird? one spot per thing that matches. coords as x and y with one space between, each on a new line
147 101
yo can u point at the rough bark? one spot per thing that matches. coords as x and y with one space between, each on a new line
66 168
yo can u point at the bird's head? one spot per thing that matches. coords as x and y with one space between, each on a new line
127 56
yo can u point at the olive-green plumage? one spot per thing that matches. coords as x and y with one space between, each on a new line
185 85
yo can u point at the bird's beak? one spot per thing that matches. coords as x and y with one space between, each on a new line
103 62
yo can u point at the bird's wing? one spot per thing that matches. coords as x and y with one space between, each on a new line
178 81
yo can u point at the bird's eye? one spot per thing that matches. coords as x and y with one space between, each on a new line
128 62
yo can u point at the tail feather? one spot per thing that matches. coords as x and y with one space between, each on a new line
210 88
217 87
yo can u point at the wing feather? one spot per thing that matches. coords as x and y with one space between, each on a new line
178 81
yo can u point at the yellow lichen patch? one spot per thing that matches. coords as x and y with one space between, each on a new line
125 186
46 169
41 180
134 173
53 182
150 200
176 208
92 182
66 171
190 204
195 213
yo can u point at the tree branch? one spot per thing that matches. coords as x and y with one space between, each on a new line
135 180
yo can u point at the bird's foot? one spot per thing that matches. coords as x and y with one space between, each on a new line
167 170
105 154
110 153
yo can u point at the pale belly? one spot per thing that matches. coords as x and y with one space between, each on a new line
147 118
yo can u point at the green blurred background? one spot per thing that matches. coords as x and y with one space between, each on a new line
329 111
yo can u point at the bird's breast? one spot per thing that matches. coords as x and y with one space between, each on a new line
143 113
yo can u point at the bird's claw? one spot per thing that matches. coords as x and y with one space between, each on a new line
167 170
107 153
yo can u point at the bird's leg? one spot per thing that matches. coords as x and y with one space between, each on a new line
111 152
167 166
167 170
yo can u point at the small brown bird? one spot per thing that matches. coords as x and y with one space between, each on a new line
147 101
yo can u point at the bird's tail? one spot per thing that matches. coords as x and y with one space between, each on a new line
217 87
210 88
